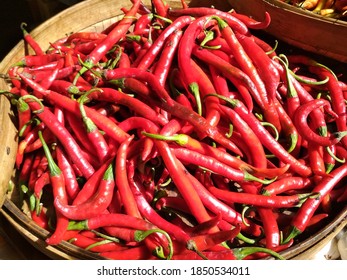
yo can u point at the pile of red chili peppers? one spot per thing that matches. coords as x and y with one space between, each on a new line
178 134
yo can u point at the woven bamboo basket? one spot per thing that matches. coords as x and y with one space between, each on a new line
300 28
83 16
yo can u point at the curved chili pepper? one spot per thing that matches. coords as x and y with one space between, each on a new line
40 219
91 185
217 207
300 121
241 81
258 157
210 163
267 139
122 182
251 23
242 58
148 212
197 80
58 185
112 37
309 207
142 227
41 181
24 117
70 105
163 66
135 104
288 128
157 45
285 184
234 22
38 60
63 135
176 109
204 242
176 169
71 183
261 200
337 98
261 60
315 158
94 244
93 133
160 7
93 206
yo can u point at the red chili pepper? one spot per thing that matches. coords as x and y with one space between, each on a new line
300 121
163 66
113 37
243 59
95 244
66 87
93 133
309 207
104 123
260 200
169 105
285 184
131 253
143 228
241 253
48 135
24 117
251 23
85 36
198 12
38 60
148 58
63 135
148 212
268 141
91 185
40 219
204 242
71 183
122 182
210 163
261 60
242 82
315 157
41 181
217 207
135 104
34 170
337 98
200 88
288 128
258 157
161 7
93 206
24 175
58 185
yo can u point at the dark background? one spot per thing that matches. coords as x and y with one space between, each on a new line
32 12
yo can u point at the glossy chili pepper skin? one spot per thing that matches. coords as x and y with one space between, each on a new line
97 204
182 124
306 211
58 185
